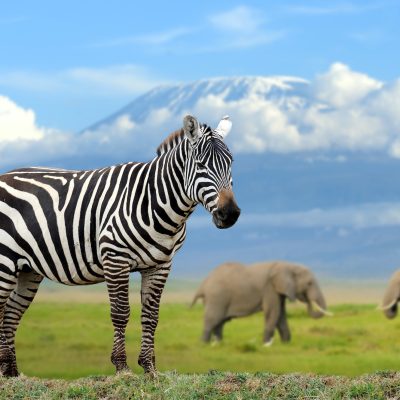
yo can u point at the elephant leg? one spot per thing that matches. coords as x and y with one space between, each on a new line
18 302
269 332
8 363
283 327
214 320
207 332
218 330
153 282
272 311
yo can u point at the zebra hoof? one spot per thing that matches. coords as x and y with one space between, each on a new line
122 368
151 374
8 370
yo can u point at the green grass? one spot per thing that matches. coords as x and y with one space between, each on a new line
74 340
213 385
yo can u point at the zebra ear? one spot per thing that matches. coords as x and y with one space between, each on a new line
191 128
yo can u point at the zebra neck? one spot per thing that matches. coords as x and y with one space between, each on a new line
170 184
156 193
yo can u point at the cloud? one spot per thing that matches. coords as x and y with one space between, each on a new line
341 110
117 79
128 138
337 8
341 87
154 39
362 216
24 142
241 27
370 36
13 20
241 19
237 28
114 79
17 123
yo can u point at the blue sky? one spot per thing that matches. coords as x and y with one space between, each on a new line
316 170
75 62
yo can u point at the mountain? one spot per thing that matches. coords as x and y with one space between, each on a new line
325 201
287 92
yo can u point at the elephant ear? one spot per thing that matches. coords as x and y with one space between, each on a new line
283 282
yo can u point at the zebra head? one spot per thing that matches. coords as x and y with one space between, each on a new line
208 170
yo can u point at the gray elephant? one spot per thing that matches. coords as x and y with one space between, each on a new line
233 290
391 296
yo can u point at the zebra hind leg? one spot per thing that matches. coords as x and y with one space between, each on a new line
117 279
18 302
8 364
153 282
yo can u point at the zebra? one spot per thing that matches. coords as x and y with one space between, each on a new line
90 226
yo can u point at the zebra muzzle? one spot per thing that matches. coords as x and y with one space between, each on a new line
226 216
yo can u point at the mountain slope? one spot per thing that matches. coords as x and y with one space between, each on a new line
287 92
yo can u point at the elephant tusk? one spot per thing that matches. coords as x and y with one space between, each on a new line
268 344
320 309
384 308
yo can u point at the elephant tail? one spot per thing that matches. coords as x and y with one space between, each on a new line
199 295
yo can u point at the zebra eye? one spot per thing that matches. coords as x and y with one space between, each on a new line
201 167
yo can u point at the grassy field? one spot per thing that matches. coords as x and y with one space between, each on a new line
73 340
213 385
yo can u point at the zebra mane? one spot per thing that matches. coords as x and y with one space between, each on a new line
170 141
175 138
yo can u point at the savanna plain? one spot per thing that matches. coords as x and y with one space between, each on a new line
65 339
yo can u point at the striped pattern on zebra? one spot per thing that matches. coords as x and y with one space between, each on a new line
84 227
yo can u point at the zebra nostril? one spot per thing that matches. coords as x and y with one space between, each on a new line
221 213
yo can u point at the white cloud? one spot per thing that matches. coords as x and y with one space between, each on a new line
237 28
156 38
241 27
126 137
112 80
342 110
334 8
23 142
341 87
241 19
271 115
13 20
117 79
17 123
259 124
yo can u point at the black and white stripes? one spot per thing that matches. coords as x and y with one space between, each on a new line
84 227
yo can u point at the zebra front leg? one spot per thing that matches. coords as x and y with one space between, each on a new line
18 302
7 357
153 282
117 279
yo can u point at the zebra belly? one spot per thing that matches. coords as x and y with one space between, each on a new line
72 270
81 274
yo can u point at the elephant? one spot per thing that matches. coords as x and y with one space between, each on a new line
391 296
234 290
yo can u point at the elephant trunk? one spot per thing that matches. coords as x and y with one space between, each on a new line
316 305
390 299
